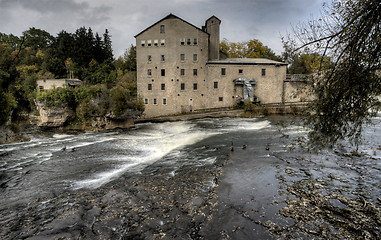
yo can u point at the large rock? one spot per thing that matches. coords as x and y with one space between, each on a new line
112 121
53 116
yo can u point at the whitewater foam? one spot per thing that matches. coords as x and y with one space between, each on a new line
148 147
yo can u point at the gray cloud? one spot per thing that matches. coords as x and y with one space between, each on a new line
242 20
46 6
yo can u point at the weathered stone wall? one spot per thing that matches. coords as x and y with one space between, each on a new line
268 88
177 100
298 88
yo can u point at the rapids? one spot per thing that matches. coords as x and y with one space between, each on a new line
209 178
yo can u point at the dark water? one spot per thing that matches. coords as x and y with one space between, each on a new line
182 180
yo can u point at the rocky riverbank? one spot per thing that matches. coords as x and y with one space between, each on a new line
143 206
220 178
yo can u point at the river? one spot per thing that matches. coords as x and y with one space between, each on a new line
223 178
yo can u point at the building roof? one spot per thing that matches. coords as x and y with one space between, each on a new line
213 17
170 16
247 61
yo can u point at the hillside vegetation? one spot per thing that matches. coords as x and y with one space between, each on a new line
83 55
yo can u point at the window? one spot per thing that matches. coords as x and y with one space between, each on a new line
162 29
162 72
195 41
220 99
154 101
149 58
263 72
182 86
182 41
194 72
162 58
149 42
143 43
195 57
182 72
41 87
156 42
162 42
149 72
215 84
163 86
149 86
223 71
188 41
146 101
182 57
164 101
240 71
194 86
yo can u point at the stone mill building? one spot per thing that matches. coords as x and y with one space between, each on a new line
180 69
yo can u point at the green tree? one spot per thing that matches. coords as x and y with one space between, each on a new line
107 46
309 63
37 38
7 104
10 40
248 49
63 46
130 58
350 34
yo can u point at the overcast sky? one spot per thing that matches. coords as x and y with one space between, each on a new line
241 20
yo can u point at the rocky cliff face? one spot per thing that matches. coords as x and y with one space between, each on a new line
112 121
53 116
59 116
7 135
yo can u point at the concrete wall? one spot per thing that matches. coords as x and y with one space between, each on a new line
268 88
47 84
298 88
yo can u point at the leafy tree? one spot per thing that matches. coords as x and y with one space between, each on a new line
7 104
101 73
10 40
349 33
309 63
249 49
57 67
127 62
37 38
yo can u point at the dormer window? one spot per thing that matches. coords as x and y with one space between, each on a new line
162 29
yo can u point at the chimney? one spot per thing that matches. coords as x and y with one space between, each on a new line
212 26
